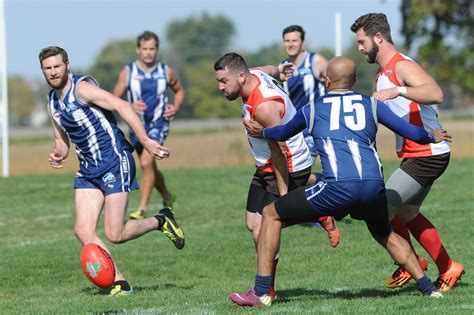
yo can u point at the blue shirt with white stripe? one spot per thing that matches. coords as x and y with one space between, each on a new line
99 142
344 127
304 87
150 87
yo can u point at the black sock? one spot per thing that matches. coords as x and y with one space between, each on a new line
160 221
123 284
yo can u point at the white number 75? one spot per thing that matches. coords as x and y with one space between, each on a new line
355 120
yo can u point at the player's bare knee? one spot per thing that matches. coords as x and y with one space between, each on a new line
114 236
269 212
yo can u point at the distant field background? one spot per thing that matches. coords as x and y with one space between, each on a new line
208 144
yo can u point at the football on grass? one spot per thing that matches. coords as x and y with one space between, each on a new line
97 265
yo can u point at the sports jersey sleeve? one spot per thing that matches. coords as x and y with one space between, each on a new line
288 130
387 118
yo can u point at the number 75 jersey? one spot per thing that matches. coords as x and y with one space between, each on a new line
344 127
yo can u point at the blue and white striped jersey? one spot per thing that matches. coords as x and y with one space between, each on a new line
344 126
151 88
303 87
93 130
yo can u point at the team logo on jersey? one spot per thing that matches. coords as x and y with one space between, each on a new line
157 76
71 107
138 77
109 179
389 71
267 82
57 114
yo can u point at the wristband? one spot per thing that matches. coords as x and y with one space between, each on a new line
402 90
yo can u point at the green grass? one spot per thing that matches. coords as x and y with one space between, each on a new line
40 270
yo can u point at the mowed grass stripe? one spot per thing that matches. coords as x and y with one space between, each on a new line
44 275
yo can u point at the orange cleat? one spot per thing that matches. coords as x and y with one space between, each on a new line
447 280
401 277
330 226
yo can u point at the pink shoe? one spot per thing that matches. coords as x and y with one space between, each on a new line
249 298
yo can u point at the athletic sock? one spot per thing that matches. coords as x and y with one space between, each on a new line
160 221
262 285
425 285
399 227
123 284
427 235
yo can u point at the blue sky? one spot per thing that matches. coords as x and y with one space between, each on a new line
83 27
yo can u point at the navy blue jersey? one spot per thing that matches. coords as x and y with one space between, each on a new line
150 87
99 142
343 126
304 87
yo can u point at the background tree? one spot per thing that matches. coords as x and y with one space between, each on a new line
21 101
200 37
196 43
443 33
111 60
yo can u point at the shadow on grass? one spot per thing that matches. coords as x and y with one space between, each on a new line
345 294
163 286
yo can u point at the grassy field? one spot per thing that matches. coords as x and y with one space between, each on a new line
40 270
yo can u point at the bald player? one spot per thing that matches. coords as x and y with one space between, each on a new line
343 125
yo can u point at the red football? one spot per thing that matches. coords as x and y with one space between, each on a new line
97 265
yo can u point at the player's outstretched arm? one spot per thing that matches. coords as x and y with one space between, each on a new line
288 130
409 131
281 72
91 94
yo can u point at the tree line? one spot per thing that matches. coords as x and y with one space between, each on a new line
192 45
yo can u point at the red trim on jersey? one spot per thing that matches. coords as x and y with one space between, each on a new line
409 148
289 158
256 98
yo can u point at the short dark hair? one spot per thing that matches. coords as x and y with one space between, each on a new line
147 35
233 61
294 28
51 51
373 23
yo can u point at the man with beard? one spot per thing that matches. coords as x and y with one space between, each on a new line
81 112
281 166
411 93
344 126
146 82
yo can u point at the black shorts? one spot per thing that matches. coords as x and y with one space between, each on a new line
264 189
361 200
425 170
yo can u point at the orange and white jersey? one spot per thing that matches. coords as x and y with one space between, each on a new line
297 152
424 116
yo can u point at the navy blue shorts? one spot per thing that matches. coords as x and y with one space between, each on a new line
157 131
362 200
120 177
